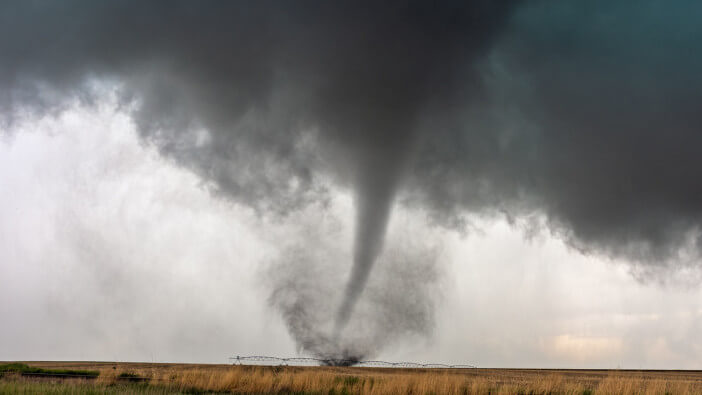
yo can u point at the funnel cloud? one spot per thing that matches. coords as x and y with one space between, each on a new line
583 114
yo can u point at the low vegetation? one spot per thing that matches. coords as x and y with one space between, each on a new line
133 377
166 379
26 370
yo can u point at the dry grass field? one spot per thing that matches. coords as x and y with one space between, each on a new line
185 378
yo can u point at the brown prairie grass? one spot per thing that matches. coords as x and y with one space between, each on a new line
331 380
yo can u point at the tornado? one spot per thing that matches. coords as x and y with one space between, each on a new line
377 182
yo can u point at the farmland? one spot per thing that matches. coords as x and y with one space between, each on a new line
155 378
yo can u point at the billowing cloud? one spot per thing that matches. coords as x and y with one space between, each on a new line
593 121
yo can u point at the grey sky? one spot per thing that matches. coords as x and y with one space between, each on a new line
110 252
207 156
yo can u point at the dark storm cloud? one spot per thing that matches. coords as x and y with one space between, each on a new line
593 119
587 112
269 81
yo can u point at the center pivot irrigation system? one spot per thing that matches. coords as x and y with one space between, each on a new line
304 361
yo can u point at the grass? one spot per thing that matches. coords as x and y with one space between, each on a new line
26 370
166 378
28 387
131 376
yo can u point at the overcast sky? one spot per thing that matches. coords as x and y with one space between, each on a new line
505 184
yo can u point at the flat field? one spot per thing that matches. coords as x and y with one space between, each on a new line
156 378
